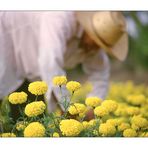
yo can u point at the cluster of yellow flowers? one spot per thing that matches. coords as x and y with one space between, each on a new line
70 127
18 97
38 88
77 108
35 108
7 135
34 129
124 113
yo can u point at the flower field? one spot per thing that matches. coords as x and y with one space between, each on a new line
124 113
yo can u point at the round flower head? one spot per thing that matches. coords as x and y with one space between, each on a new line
59 80
70 127
136 99
129 133
93 101
110 105
107 129
135 127
17 98
73 86
7 135
123 126
85 124
35 108
55 134
115 121
76 108
92 122
100 111
82 114
21 125
139 121
38 87
34 129
132 111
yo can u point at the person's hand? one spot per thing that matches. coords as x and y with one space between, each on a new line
89 115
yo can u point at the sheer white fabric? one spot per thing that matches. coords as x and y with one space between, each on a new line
40 45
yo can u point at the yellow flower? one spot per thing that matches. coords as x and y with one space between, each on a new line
35 108
107 129
135 127
34 129
100 111
38 87
93 101
70 127
123 126
18 97
92 122
59 80
55 134
73 86
76 108
82 114
129 133
21 125
139 121
114 122
110 105
86 124
132 111
7 135
136 99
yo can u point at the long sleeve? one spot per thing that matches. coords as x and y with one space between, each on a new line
98 70
9 76
53 35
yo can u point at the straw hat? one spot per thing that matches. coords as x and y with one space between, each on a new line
107 29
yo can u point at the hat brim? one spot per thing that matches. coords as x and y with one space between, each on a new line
119 50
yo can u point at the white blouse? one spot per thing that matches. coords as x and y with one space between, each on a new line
40 45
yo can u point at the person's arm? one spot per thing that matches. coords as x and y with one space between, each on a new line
98 70
54 34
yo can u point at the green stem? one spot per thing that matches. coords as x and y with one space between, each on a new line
36 99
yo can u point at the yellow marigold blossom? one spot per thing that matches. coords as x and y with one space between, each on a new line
146 134
35 108
85 124
114 122
136 99
129 133
76 108
110 105
92 122
38 87
21 125
55 134
100 111
82 114
139 121
59 80
133 111
18 97
73 86
7 135
93 101
107 129
135 127
34 129
123 126
71 127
